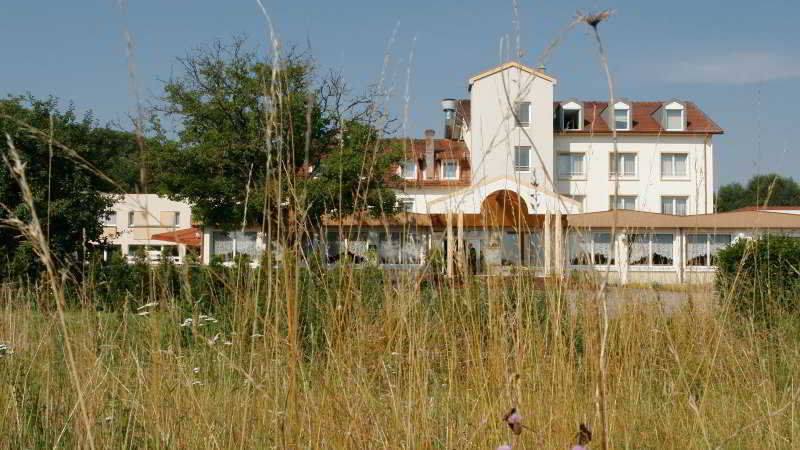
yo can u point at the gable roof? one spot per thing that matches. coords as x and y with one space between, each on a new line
509 65
643 119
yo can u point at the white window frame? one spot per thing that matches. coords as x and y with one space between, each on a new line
619 106
516 166
674 106
672 156
446 162
403 166
110 219
611 247
674 200
519 123
131 219
612 204
572 106
570 176
176 219
650 266
707 266
621 155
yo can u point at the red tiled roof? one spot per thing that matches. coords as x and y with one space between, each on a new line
189 236
644 121
768 208
443 149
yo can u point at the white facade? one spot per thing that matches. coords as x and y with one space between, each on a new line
513 146
135 218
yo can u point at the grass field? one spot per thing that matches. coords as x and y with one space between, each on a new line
349 359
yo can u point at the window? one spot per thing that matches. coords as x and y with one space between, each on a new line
673 164
228 245
622 116
571 165
408 169
511 249
406 204
673 205
702 248
110 219
534 252
571 116
131 219
623 202
674 119
522 159
523 114
650 250
176 219
625 161
450 170
586 248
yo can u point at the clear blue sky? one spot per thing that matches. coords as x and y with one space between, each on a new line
739 61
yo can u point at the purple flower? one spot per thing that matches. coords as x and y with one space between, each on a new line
504 447
514 420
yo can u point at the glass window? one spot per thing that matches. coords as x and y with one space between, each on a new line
246 244
627 161
406 205
131 219
535 249
176 219
580 199
222 245
673 205
523 113
579 248
602 249
673 164
675 119
511 249
110 219
571 165
450 170
572 119
645 249
522 159
621 119
623 202
408 169
701 248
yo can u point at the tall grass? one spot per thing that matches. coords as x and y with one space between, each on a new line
388 361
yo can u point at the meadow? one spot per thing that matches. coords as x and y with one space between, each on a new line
208 357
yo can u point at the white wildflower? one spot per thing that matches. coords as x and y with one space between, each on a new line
213 340
196 383
143 313
147 305
187 322
6 350
196 370
257 335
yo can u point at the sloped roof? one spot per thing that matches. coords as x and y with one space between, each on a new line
647 220
643 119
509 65
188 236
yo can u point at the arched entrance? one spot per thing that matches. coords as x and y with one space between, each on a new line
504 209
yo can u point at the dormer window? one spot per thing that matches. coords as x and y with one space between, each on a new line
674 117
408 169
523 113
571 116
622 116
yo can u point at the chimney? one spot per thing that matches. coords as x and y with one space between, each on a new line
449 108
429 159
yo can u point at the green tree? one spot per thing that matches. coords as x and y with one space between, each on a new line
770 189
249 130
68 196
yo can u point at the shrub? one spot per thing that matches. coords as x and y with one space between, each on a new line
761 276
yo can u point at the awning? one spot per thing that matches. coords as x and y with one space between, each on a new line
188 236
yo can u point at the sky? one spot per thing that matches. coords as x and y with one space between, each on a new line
737 60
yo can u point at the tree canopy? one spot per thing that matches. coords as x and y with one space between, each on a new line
770 189
252 129
68 194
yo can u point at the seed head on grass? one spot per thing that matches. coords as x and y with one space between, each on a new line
594 19
584 436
